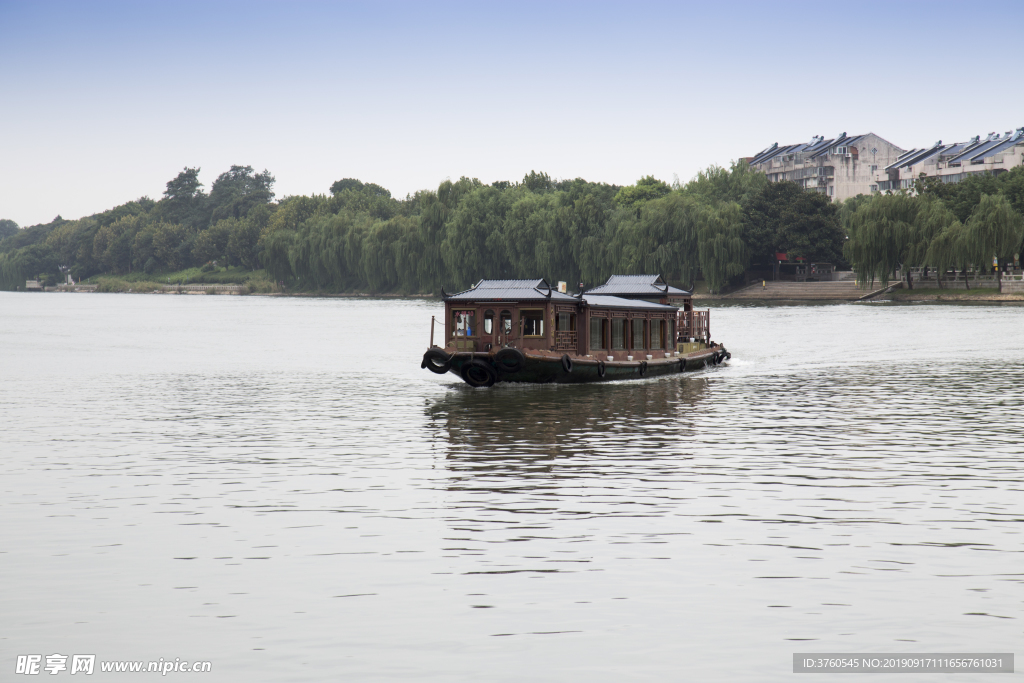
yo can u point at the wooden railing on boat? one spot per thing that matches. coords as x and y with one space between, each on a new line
695 325
565 340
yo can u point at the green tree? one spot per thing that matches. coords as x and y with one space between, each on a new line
946 250
739 183
346 184
237 191
184 200
783 217
166 242
538 182
29 263
211 244
244 237
994 230
723 254
472 247
646 189
112 245
7 228
881 232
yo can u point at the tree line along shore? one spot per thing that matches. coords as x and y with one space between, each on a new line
713 231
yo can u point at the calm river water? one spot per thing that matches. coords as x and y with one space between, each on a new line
274 485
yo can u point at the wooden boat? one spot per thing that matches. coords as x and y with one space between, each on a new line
631 327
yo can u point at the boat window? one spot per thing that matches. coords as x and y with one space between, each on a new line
638 334
595 333
506 323
670 334
656 329
566 322
618 333
489 322
464 323
533 323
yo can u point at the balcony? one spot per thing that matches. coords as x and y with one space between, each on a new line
695 325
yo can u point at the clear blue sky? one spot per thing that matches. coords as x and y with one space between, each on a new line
102 102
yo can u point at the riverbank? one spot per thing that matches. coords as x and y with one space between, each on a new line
944 295
222 280
935 294
848 290
237 281
225 290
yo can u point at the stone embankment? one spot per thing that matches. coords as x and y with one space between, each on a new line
843 288
800 291
206 289
171 289
1012 284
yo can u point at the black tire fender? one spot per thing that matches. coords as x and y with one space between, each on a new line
431 358
477 373
566 363
600 368
643 368
510 360
682 365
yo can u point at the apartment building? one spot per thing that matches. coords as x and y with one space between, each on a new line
840 168
953 162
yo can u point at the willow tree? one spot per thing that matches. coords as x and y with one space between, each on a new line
524 229
589 218
946 250
275 254
933 217
436 210
407 250
738 183
378 259
994 230
880 231
472 248
667 237
720 246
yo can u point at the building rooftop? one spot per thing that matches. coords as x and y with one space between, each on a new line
916 156
974 149
817 147
510 290
619 302
637 286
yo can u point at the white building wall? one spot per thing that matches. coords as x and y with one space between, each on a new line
838 176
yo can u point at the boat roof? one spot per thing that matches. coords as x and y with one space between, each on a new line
511 290
619 302
637 285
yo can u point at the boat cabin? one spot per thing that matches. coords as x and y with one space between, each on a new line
630 317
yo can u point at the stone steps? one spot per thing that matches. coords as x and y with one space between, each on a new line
844 290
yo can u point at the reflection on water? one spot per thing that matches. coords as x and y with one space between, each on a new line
240 480
535 423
